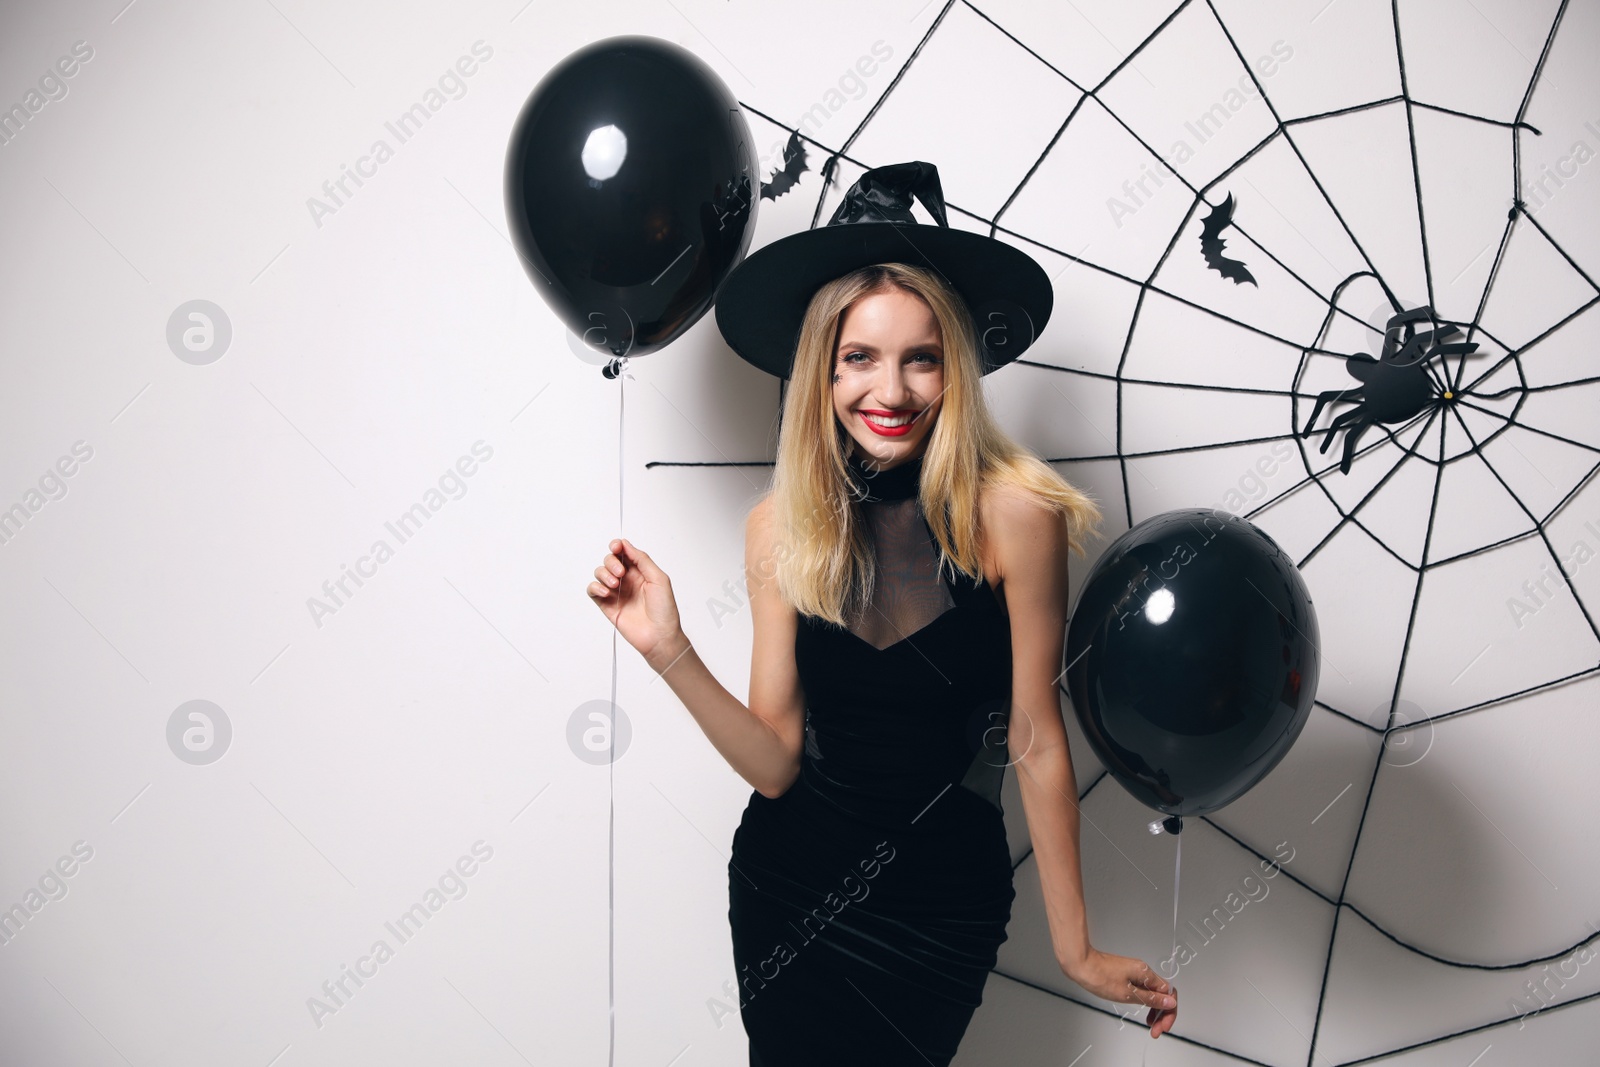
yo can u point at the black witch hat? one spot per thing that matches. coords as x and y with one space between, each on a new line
764 300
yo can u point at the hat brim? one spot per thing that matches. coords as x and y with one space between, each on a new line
763 302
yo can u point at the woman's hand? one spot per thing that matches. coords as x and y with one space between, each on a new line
1128 981
636 596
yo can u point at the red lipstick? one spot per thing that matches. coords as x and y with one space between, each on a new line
901 430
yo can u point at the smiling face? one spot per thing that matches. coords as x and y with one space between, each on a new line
888 376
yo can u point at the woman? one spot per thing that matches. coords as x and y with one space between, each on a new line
908 586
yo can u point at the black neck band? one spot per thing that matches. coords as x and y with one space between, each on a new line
894 483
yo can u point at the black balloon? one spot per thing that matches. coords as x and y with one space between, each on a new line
1192 659
630 191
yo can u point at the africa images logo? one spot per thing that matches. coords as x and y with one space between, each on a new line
337 192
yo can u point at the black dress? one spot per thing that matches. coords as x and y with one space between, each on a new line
868 902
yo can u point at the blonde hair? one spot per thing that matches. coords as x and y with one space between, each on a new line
824 560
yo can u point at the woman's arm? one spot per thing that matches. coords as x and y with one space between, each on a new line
1030 544
761 742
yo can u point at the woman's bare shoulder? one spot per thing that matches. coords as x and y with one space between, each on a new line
759 517
760 528
762 553
1012 505
1015 518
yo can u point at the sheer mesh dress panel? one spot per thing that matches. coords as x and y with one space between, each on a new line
909 595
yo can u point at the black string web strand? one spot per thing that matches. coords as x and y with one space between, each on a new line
1423 447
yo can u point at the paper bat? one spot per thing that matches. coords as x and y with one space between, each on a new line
1211 243
794 165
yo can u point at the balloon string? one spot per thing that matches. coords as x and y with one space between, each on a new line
611 762
1177 871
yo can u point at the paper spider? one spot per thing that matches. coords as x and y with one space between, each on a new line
1396 386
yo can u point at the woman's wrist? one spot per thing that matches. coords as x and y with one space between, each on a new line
668 651
1072 960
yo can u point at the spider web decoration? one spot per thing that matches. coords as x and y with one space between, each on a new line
1395 170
